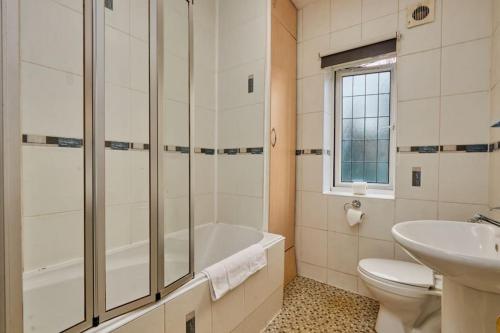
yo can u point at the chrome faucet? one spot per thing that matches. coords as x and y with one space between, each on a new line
478 218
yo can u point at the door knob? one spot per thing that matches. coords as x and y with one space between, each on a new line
274 137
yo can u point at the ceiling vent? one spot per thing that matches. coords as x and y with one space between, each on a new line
420 13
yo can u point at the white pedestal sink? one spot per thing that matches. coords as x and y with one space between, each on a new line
468 256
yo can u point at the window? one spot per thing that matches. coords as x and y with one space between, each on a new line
364 111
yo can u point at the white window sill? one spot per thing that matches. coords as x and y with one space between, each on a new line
370 193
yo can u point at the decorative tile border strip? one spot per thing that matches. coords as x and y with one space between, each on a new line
241 151
52 141
472 148
299 152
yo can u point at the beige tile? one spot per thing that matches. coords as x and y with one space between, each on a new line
418 123
342 252
378 220
42 245
342 281
421 38
460 74
139 19
52 35
380 28
377 8
465 20
337 220
139 65
117 57
276 265
373 248
345 14
314 210
229 311
460 212
411 210
312 173
312 130
258 320
419 75
429 166
312 93
119 17
311 63
316 19
463 178
464 118
313 246
52 180
345 39
197 300
152 321
312 272
401 254
48 94
256 290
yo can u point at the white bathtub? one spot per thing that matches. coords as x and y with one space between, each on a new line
53 297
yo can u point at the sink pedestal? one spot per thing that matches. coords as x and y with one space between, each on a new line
466 310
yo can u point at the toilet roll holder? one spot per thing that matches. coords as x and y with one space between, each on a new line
354 204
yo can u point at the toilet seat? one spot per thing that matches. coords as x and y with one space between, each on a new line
399 277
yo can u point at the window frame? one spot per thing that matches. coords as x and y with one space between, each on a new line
336 138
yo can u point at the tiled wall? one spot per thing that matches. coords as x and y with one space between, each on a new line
495 111
242 33
443 98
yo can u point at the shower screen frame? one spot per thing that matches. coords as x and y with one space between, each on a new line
162 289
11 280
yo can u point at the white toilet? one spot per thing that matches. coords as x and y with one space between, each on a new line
409 295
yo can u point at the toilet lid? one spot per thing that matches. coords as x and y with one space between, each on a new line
399 271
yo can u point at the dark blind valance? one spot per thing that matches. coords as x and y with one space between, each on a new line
359 53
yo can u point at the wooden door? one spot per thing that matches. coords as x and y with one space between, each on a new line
283 128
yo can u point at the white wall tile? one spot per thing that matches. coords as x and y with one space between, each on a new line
119 17
48 94
465 20
419 75
342 281
313 246
241 127
373 248
377 8
314 210
153 321
380 27
229 311
420 38
429 164
312 93
316 19
57 169
345 14
43 247
341 40
139 19
309 271
460 212
378 220
312 130
52 35
312 173
343 252
411 210
464 118
466 67
337 220
117 57
311 63
418 123
463 178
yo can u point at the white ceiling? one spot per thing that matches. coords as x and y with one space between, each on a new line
302 3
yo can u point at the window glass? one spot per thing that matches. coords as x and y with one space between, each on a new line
365 118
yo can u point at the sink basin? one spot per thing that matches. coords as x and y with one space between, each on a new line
465 252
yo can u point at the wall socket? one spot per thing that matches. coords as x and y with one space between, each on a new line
416 177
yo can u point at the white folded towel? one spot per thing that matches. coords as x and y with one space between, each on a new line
231 272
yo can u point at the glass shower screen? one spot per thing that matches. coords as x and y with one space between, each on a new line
174 130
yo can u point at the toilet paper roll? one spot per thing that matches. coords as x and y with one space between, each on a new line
354 216
359 188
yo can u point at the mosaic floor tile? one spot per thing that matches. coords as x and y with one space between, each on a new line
311 306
